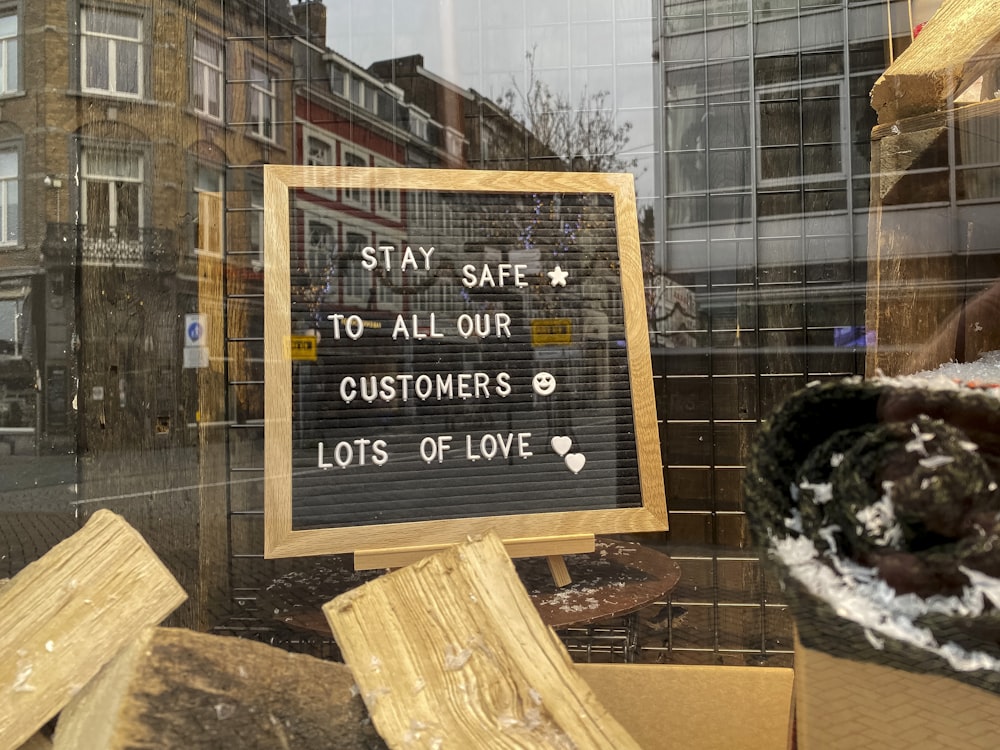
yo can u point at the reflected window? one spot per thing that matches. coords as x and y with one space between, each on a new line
263 100
111 188
355 195
320 247
11 322
358 281
207 77
210 181
386 200
319 153
9 198
338 80
803 135
8 53
111 52
418 124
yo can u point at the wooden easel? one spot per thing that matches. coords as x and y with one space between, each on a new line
551 548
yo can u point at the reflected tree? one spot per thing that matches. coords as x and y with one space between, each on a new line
585 135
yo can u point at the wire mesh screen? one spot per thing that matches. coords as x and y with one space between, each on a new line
754 232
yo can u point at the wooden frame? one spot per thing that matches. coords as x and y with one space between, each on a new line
280 539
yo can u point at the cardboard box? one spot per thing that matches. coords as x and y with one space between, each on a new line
697 708
840 703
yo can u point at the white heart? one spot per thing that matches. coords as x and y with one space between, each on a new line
561 444
575 462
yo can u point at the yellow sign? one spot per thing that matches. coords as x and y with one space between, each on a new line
551 332
302 348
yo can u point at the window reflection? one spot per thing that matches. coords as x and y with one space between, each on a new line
770 200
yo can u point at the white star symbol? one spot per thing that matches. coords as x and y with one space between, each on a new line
558 276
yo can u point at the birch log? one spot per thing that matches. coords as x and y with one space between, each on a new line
67 614
451 652
175 688
960 43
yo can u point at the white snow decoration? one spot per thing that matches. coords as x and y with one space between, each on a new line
21 684
224 711
794 522
986 369
856 594
935 462
878 521
968 445
877 643
456 659
919 438
822 491
987 584
827 535
836 459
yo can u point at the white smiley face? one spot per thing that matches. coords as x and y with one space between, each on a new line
544 383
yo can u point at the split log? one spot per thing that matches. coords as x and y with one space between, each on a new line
38 741
957 46
451 651
175 688
67 614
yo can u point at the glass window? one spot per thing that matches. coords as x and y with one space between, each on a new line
338 80
319 153
209 180
263 101
802 134
111 53
320 246
207 77
9 198
386 200
111 188
8 53
355 195
418 125
11 325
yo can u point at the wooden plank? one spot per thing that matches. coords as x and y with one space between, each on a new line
451 652
957 46
374 559
67 614
176 688
557 567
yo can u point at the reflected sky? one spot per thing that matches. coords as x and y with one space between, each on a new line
578 46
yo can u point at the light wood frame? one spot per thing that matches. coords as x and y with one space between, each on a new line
280 540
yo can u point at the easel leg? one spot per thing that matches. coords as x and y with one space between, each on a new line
557 567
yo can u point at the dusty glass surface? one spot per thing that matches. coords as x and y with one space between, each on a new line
772 204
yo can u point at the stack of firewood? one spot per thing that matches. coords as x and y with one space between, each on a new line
448 652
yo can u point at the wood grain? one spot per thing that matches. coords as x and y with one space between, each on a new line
67 614
174 688
451 652
956 46
543 546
